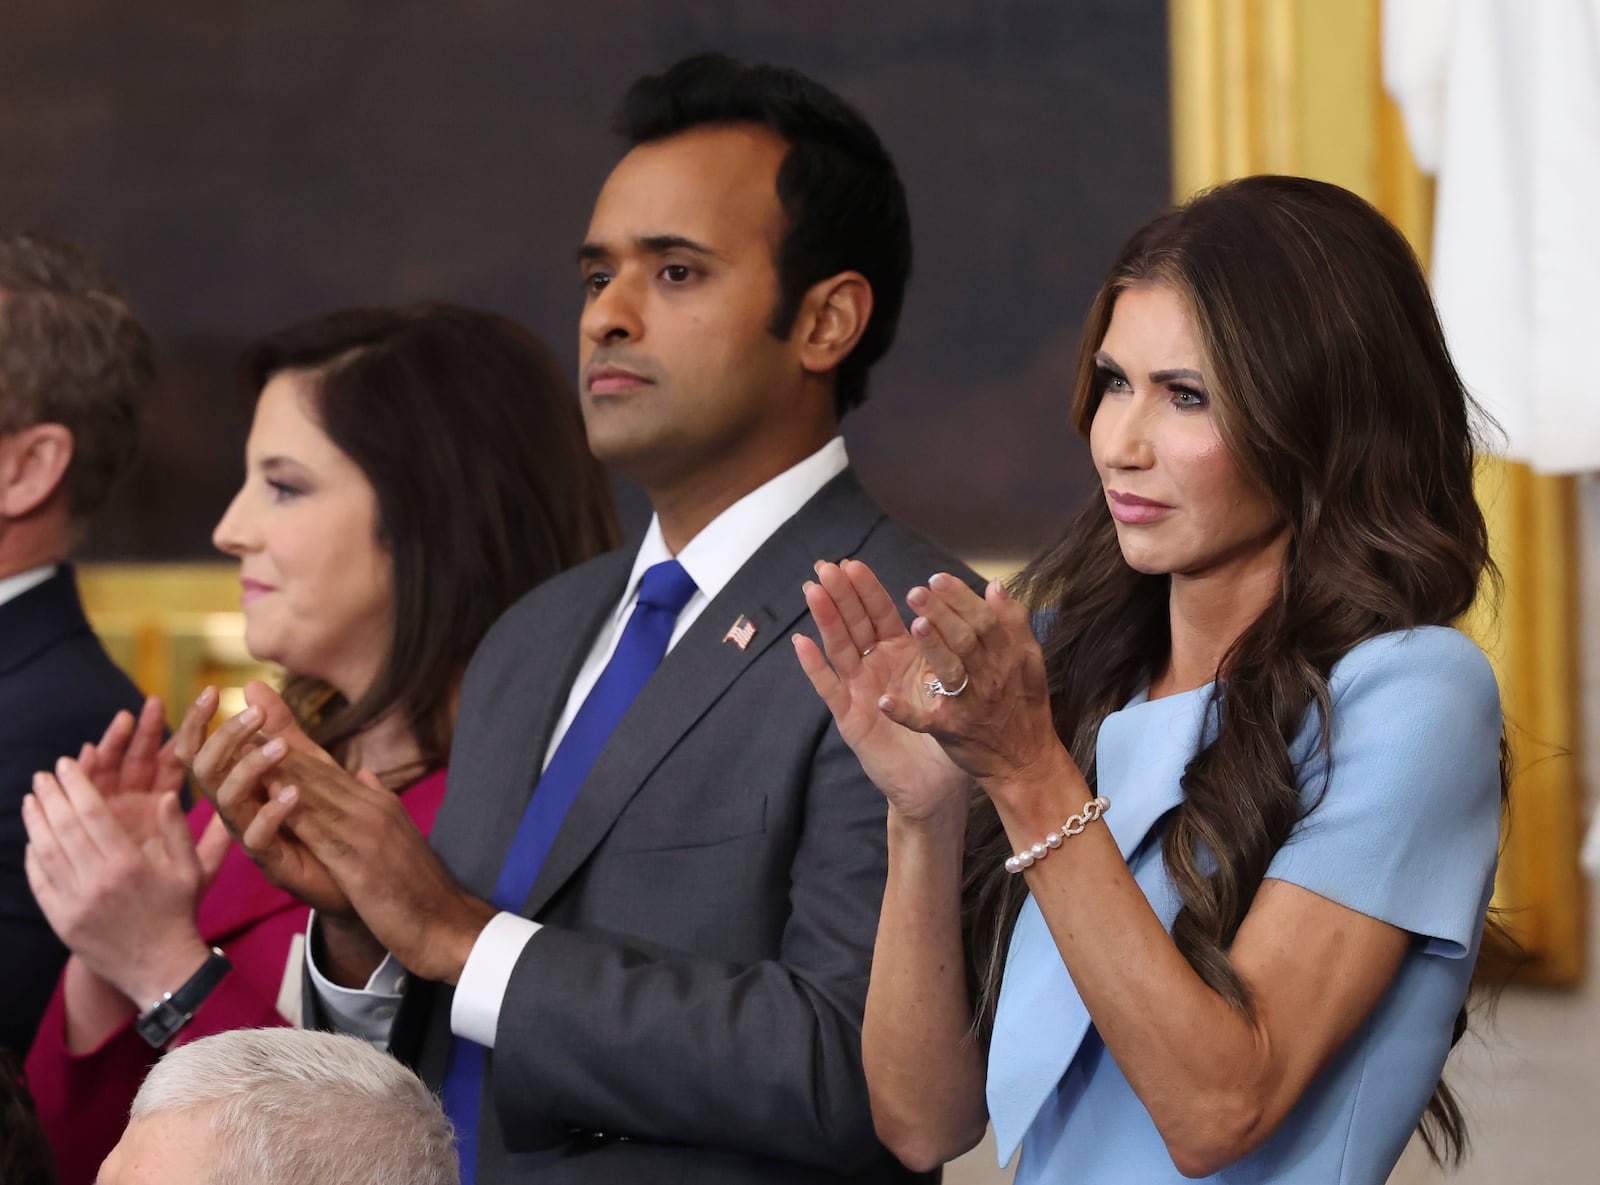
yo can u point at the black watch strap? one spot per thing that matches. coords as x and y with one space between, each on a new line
159 1023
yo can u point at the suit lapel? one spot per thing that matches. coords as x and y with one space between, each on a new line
474 839
565 635
701 668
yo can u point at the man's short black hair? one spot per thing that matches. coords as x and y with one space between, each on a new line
840 192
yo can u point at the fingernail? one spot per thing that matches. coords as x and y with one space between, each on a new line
61 766
885 703
817 567
917 596
201 698
250 717
921 628
285 795
274 748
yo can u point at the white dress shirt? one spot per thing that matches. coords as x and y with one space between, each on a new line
711 559
13 587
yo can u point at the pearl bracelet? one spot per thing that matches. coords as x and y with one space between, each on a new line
1026 858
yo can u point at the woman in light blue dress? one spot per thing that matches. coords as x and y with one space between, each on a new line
1194 887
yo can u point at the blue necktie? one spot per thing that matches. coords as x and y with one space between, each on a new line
663 592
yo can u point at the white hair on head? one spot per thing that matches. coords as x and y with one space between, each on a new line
296 1107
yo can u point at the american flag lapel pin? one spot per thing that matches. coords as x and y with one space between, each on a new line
740 632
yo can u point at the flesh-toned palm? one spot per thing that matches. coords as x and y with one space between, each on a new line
242 767
126 907
867 655
132 768
132 757
210 759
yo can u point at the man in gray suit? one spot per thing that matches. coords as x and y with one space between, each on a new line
674 991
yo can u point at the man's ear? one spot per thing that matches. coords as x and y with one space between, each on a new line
33 465
832 319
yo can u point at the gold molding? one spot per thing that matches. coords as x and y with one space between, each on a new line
174 628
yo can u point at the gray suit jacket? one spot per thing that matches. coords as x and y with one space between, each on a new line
691 1010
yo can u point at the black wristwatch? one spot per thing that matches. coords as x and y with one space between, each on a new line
161 1021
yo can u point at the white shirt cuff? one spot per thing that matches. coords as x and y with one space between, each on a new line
366 1012
475 1013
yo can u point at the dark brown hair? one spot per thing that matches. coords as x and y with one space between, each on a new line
71 353
471 438
25 1157
1335 395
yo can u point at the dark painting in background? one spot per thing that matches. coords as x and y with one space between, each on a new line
241 163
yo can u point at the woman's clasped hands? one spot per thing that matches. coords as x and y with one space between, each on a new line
958 696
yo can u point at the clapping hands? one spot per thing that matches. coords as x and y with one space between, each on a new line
341 842
113 863
959 695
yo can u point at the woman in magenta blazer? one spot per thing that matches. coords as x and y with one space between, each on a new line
409 474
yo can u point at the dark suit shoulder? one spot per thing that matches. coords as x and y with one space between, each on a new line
596 581
65 695
58 686
58 689
893 549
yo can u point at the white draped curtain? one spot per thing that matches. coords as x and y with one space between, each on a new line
1501 101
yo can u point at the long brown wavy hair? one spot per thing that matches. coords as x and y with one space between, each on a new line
1334 394
470 434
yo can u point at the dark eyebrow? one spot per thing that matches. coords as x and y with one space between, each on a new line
661 244
1104 361
648 245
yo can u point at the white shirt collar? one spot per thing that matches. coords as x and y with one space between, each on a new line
714 555
13 587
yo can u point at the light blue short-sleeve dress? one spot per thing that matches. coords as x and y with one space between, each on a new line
1405 828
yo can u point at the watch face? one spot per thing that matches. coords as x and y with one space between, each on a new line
162 1021
174 1010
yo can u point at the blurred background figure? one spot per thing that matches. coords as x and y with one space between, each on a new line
282 1107
24 1151
409 473
75 364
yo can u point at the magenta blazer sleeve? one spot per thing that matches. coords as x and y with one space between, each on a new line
83 1098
